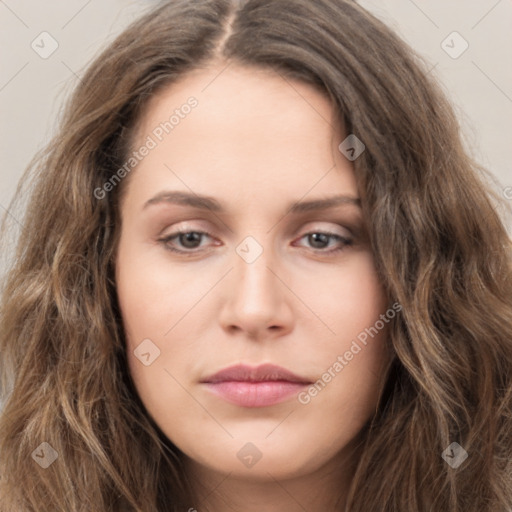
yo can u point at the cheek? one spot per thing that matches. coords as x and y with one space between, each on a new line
152 294
348 299
354 351
159 321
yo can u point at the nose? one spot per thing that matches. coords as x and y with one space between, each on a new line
258 302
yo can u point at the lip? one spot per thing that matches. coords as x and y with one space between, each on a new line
260 386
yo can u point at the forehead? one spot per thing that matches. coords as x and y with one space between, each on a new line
256 91
250 129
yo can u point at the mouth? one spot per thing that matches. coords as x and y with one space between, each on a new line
261 386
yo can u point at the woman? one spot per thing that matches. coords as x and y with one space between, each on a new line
164 344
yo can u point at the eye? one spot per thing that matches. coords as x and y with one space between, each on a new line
319 241
188 240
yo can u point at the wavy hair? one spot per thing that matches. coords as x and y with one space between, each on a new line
440 246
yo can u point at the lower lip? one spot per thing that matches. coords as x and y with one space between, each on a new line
255 394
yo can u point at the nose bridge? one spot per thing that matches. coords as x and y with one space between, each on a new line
254 280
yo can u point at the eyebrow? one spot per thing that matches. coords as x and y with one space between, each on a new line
209 203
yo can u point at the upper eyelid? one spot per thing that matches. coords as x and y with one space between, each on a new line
349 226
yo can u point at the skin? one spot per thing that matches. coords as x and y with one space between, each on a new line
257 143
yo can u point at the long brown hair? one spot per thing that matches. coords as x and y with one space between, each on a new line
440 246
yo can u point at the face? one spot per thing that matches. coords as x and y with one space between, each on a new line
260 274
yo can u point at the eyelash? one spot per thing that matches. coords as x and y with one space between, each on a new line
166 240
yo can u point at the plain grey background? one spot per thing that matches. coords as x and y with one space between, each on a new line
466 43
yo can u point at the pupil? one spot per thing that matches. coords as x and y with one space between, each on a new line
192 237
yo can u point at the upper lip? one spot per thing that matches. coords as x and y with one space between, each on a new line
244 373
